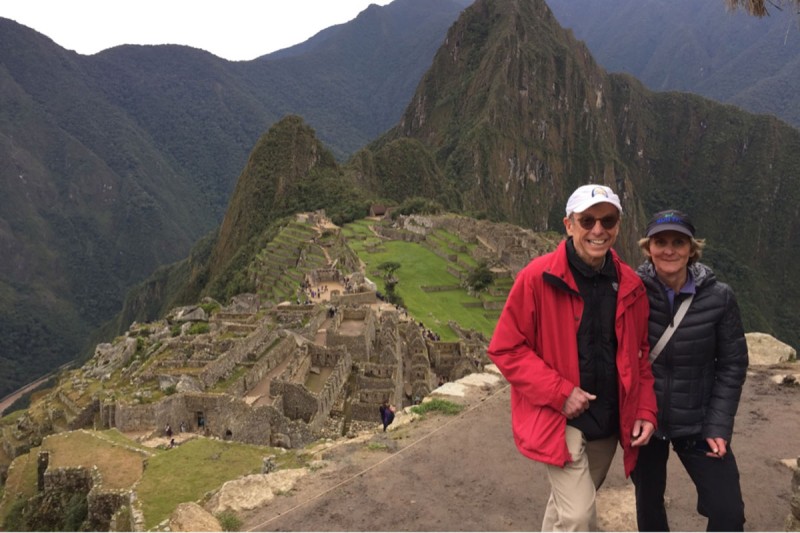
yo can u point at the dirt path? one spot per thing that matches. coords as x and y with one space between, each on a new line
6 402
464 474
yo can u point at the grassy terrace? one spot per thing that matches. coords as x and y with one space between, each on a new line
183 474
420 268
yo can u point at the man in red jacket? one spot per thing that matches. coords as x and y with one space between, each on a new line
572 342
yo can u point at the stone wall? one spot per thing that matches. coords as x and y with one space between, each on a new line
73 408
108 415
443 357
272 358
408 234
103 504
297 368
353 298
335 383
324 275
128 417
360 346
86 417
225 363
372 391
298 402
68 479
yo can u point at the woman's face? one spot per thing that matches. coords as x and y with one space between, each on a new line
670 251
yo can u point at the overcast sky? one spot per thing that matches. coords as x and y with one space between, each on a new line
232 29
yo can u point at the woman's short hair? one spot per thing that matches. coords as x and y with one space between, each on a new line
696 247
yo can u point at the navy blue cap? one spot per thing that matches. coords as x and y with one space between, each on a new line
671 219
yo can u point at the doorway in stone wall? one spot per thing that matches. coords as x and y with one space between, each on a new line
201 421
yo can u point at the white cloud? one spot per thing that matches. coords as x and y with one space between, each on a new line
234 29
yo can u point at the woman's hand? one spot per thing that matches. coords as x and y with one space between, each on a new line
719 447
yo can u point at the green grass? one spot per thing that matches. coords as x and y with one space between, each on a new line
183 474
420 268
439 406
223 384
358 229
188 472
229 521
21 482
116 437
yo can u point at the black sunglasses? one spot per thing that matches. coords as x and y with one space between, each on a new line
608 221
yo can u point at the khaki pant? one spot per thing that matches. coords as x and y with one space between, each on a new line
571 506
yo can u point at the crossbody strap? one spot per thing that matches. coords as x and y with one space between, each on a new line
676 321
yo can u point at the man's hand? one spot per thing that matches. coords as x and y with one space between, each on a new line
642 431
577 402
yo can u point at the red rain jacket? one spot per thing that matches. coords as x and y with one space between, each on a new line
535 347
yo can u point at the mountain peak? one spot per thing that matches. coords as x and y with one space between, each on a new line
266 190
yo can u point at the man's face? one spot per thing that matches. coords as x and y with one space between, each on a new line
592 244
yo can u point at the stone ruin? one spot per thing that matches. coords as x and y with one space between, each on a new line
256 371
281 376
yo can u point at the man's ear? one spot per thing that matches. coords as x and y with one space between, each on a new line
568 222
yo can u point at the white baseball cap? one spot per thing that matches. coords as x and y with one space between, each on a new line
586 196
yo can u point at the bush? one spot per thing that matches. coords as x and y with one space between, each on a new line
198 328
229 521
76 512
15 519
480 278
439 405
417 206
209 307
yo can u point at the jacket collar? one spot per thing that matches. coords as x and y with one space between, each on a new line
559 274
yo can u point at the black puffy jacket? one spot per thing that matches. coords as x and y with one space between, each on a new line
700 373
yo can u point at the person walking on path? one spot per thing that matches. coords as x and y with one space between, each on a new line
572 342
387 414
700 367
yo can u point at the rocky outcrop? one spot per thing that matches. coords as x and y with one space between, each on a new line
192 517
253 491
767 350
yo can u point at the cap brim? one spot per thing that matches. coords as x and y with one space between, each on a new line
594 201
669 227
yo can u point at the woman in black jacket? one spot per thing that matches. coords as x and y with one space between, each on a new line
699 375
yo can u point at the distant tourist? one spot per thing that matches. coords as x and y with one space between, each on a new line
696 326
168 431
570 341
387 414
